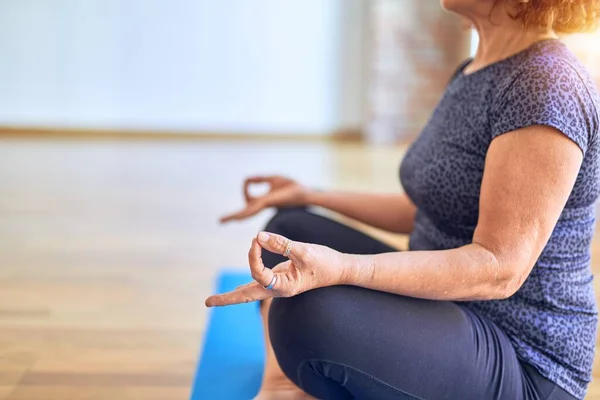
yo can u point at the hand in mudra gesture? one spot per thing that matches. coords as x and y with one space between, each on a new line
283 192
310 266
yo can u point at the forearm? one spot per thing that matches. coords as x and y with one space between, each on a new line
390 212
466 273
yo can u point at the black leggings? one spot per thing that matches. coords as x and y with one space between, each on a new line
346 342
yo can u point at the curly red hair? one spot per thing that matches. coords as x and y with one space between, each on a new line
564 16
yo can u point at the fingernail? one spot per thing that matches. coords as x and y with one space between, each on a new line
263 237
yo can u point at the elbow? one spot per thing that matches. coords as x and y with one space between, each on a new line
506 287
510 279
506 275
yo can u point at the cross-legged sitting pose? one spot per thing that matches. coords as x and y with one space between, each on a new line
494 299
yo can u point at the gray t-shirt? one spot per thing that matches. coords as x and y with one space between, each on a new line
552 318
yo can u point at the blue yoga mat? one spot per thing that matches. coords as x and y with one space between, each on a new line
232 357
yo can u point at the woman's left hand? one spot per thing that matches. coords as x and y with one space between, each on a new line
310 266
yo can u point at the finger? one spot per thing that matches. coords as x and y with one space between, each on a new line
248 182
231 217
247 212
260 273
246 294
244 285
278 244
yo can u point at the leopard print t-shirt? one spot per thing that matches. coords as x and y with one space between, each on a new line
552 318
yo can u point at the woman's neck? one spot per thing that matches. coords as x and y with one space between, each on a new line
501 37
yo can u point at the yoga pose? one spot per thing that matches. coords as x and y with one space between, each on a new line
494 299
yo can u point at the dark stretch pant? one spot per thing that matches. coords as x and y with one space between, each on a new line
346 342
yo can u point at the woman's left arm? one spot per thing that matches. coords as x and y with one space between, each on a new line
528 177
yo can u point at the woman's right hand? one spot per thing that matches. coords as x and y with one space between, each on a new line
283 192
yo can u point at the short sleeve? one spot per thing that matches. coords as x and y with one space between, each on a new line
458 71
551 93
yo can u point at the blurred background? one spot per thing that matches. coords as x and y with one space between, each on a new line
126 130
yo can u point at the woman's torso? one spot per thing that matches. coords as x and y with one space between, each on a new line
552 319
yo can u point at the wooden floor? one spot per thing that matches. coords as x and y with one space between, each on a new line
108 249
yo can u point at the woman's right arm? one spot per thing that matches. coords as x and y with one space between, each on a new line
390 212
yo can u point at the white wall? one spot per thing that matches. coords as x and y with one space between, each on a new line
474 42
211 65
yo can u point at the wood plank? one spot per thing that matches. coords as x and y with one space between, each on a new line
98 393
104 379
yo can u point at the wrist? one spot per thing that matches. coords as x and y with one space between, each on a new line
312 197
308 197
358 269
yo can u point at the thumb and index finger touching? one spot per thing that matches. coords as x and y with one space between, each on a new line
275 244
250 181
262 275
253 204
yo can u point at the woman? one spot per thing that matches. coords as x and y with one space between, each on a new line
494 300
